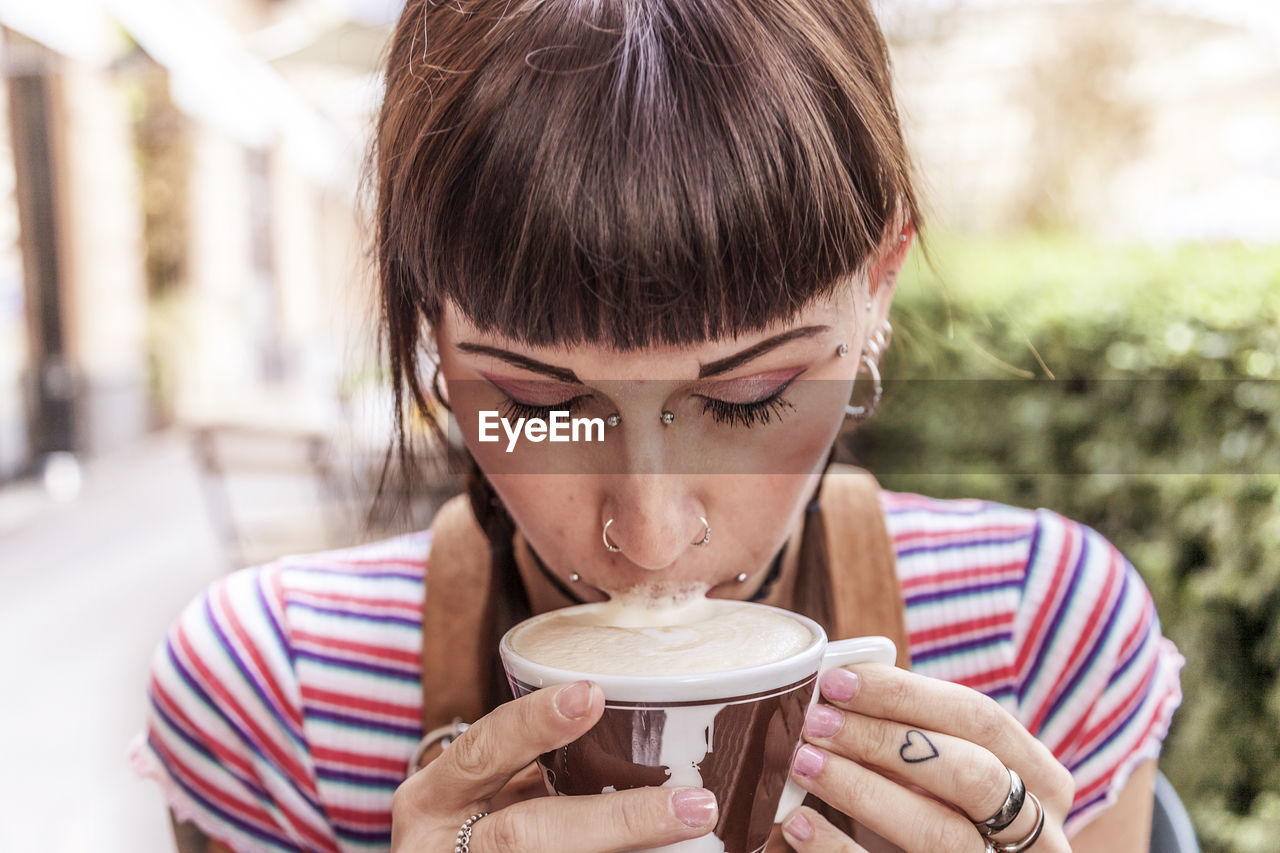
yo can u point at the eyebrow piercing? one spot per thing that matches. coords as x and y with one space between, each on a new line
842 350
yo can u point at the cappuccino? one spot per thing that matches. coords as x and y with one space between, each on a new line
709 635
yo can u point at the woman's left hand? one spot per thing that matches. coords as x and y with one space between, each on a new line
918 761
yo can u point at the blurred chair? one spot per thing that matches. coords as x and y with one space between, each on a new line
1171 830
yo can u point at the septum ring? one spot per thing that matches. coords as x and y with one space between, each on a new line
612 548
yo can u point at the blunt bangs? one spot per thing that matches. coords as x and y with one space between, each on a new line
631 172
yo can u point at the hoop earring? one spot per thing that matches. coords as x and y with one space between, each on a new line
609 546
861 413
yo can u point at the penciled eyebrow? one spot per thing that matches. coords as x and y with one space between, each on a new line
714 368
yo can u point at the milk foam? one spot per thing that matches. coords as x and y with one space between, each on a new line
705 635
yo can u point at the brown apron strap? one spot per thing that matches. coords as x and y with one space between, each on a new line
454 612
861 559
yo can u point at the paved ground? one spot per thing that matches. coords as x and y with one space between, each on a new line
87 589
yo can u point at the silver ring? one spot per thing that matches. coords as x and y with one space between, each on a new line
463 844
605 534
1022 843
706 533
444 736
1009 811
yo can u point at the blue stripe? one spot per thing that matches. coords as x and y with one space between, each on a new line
965 646
1123 725
362 617
960 546
1067 691
1137 653
363 836
362 723
258 690
245 738
960 591
278 631
202 749
410 675
353 572
359 780
1051 632
227 817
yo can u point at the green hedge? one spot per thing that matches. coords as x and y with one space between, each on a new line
1160 427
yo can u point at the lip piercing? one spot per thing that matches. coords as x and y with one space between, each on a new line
668 417
574 577
741 577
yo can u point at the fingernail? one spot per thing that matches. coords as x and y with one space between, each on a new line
808 761
575 700
798 828
839 685
822 721
694 806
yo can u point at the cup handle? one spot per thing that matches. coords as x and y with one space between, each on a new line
839 653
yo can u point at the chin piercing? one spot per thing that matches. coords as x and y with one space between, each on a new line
613 420
609 546
668 417
741 577
842 350
574 577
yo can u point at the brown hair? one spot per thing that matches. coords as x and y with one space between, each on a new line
626 172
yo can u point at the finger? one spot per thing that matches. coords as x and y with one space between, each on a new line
890 693
948 768
910 820
528 784
640 818
805 830
500 744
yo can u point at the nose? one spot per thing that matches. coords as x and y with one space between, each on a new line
655 519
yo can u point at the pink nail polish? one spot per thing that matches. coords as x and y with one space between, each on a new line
808 761
798 828
839 685
694 806
822 721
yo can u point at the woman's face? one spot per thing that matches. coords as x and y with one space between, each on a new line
755 418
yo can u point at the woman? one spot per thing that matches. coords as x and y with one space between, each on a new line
686 219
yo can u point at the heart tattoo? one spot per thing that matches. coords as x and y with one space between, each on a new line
913 752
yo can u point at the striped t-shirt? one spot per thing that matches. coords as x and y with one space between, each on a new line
285 700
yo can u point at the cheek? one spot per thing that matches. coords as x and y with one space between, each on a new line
552 510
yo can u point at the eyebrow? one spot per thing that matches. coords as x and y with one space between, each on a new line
714 368
724 365
522 361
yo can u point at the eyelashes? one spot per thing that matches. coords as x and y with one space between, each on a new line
747 415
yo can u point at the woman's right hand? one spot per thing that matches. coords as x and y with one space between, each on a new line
430 807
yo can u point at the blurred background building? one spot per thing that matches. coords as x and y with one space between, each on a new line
184 263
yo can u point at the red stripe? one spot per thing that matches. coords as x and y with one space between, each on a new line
986 682
1092 788
965 576
353 605
414 562
358 760
233 709
313 695
250 811
1049 606
957 629
1088 638
1126 706
379 652
198 733
247 645
961 536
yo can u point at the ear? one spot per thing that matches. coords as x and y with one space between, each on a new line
882 276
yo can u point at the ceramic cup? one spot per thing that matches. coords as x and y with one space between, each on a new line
732 732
